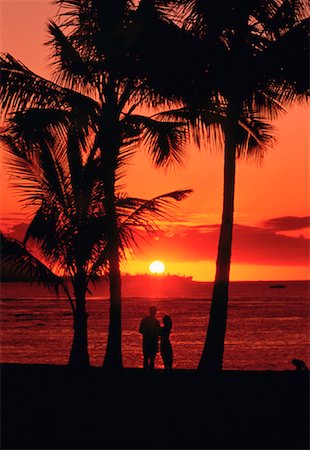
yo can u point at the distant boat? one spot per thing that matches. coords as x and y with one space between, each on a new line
277 286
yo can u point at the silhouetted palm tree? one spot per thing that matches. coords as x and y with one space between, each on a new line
255 63
69 230
96 80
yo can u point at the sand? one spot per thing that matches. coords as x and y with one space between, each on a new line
57 407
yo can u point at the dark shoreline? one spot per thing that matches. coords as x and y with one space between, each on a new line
50 407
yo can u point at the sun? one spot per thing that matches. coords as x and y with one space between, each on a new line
157 267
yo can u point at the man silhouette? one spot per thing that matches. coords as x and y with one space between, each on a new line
150 329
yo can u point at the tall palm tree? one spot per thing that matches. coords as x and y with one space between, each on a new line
255 64
94 56
69 230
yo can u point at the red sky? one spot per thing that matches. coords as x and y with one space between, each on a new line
272 209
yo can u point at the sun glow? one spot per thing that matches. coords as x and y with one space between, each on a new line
157 267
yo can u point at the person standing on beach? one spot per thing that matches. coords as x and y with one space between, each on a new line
150 330
165 344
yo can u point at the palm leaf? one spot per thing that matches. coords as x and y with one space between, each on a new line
204 123
133 213
22 263
70 68
37 125
52 234
254 137
156 208
164 141
24 170
21 88
38 169
286 64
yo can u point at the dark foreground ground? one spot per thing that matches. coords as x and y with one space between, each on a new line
55 407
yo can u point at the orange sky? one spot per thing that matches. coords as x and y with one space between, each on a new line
271 239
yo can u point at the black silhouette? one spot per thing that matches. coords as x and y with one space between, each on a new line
264 55
165 344
33 100
150 330
299 364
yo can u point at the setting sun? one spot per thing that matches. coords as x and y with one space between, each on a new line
157 267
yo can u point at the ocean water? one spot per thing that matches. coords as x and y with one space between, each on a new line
266 327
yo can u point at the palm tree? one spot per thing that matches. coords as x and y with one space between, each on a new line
96 81
255 64
69 230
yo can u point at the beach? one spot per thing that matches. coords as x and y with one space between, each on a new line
259 401
57 407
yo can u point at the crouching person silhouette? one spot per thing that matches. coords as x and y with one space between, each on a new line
150 330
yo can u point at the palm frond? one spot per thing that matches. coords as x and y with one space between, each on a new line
69 67
164 141
37 125
75 163
265 103
22 263
279 17
254 138
286 64
20 88
38 170
145 212
99 263
24 170
52 235
204 124
133 213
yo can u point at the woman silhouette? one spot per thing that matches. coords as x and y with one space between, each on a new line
165 344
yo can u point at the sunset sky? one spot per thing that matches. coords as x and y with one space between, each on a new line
272 205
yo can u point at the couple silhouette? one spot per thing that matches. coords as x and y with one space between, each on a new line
151 331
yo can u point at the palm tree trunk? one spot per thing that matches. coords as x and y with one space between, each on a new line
113 356
110 142
212 355
79 356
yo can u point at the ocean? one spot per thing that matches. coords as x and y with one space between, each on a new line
267 327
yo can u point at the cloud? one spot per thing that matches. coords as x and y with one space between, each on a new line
287 223
251 245
262 245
